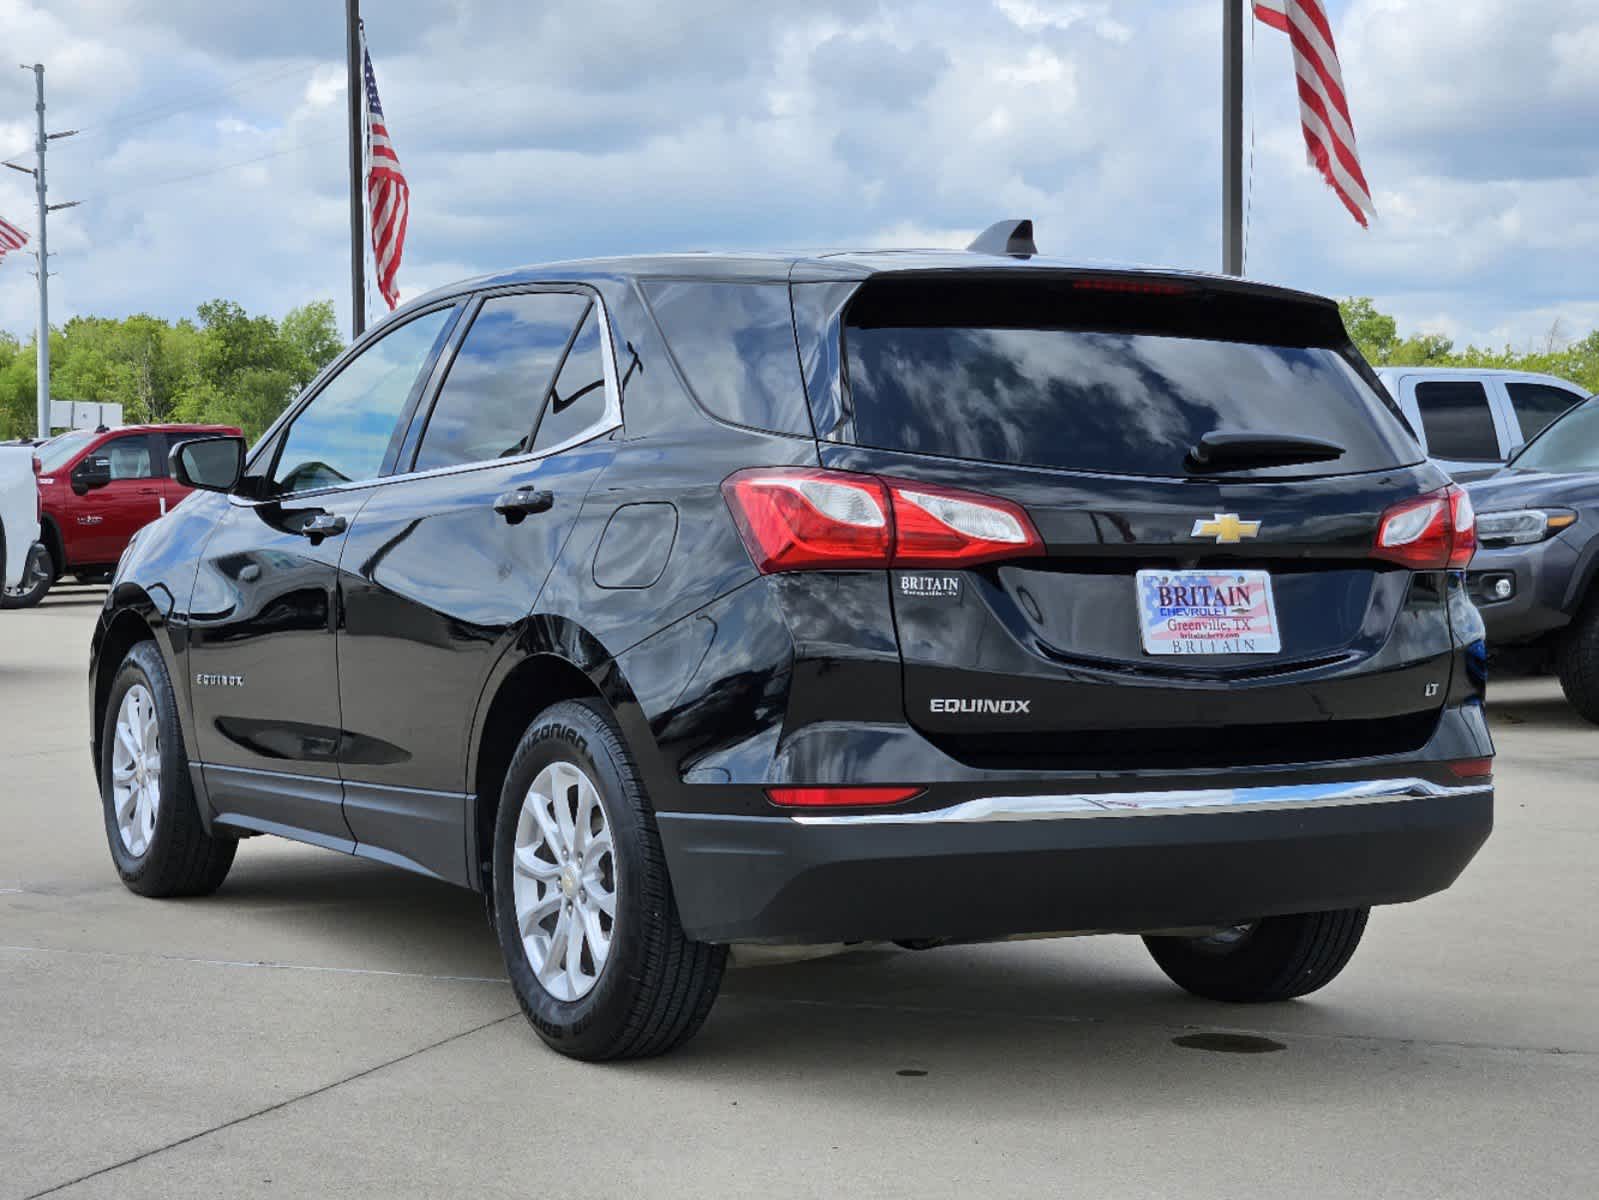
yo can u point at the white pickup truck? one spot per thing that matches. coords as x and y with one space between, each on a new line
19 523
1469 419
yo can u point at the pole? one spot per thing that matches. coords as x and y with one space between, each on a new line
354 91
1232 137
44 265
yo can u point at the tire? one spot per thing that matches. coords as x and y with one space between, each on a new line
1275 958
1577 662
38 576
654 987
171 855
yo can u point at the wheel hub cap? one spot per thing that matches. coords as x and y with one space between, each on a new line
564 881
136 769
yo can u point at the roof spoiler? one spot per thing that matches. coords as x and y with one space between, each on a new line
1006 237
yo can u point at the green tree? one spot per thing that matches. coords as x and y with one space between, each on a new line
311 335
1374 333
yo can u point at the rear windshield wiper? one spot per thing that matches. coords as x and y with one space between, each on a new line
1228 451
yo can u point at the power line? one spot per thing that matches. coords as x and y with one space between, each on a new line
176 106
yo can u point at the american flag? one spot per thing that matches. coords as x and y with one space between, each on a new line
388 196
11 238
1323 108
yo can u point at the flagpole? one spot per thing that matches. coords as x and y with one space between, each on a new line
354 91
1232 137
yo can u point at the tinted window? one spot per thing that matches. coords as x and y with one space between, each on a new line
735 345
131 457
1537 404
490 400
343 435
1457 420
1100 400
1569 444
577 402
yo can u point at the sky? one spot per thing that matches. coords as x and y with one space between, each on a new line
212 160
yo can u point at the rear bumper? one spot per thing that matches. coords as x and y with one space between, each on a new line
995 865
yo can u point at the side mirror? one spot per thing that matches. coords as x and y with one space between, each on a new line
213 464
92 472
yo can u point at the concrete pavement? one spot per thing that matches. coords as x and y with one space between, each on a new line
329 1027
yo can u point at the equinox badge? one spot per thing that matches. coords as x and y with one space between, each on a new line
1226 528
1007 707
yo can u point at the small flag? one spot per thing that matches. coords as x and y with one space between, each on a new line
11 238
388 196
1323 109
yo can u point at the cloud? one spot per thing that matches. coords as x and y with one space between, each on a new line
535 132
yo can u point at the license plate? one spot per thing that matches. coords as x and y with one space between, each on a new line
1207 612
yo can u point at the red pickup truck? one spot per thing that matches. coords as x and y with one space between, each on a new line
97 488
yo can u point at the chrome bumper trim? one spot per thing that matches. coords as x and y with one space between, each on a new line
1137 804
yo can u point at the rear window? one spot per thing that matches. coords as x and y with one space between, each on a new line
1036 376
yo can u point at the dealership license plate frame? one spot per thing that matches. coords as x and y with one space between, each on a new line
1193 630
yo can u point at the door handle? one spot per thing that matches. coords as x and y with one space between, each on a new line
323 524
517 503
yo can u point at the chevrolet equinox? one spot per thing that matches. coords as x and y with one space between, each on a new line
679 602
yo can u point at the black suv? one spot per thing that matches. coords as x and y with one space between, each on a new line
1535 577
687 601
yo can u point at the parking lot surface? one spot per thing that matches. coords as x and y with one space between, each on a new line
330 1027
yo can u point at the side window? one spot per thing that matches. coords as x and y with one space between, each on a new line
735 345
343 434
491 397
1457 421
577 402
1537 404
131 457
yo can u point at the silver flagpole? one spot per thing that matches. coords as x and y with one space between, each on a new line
1232 136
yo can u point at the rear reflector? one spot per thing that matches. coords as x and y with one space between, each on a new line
1431 532
1472 768
805 518
839 797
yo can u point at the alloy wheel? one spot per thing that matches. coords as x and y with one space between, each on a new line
564 881
136 769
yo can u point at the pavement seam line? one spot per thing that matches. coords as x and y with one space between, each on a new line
271 1108
260 964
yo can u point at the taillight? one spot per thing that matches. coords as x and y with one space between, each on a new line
803 518
1464 519
822 796
937 526
38 496
1431 532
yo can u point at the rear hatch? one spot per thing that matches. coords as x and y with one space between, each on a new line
1180 613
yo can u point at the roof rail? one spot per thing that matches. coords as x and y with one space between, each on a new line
1014 236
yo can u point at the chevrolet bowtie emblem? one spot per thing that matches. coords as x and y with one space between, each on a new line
1226 528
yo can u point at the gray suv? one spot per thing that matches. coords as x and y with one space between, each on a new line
1534 575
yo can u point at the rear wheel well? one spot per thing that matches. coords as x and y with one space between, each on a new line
531 687
127 630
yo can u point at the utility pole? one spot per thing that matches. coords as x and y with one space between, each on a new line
1232 137
43 248
355 91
